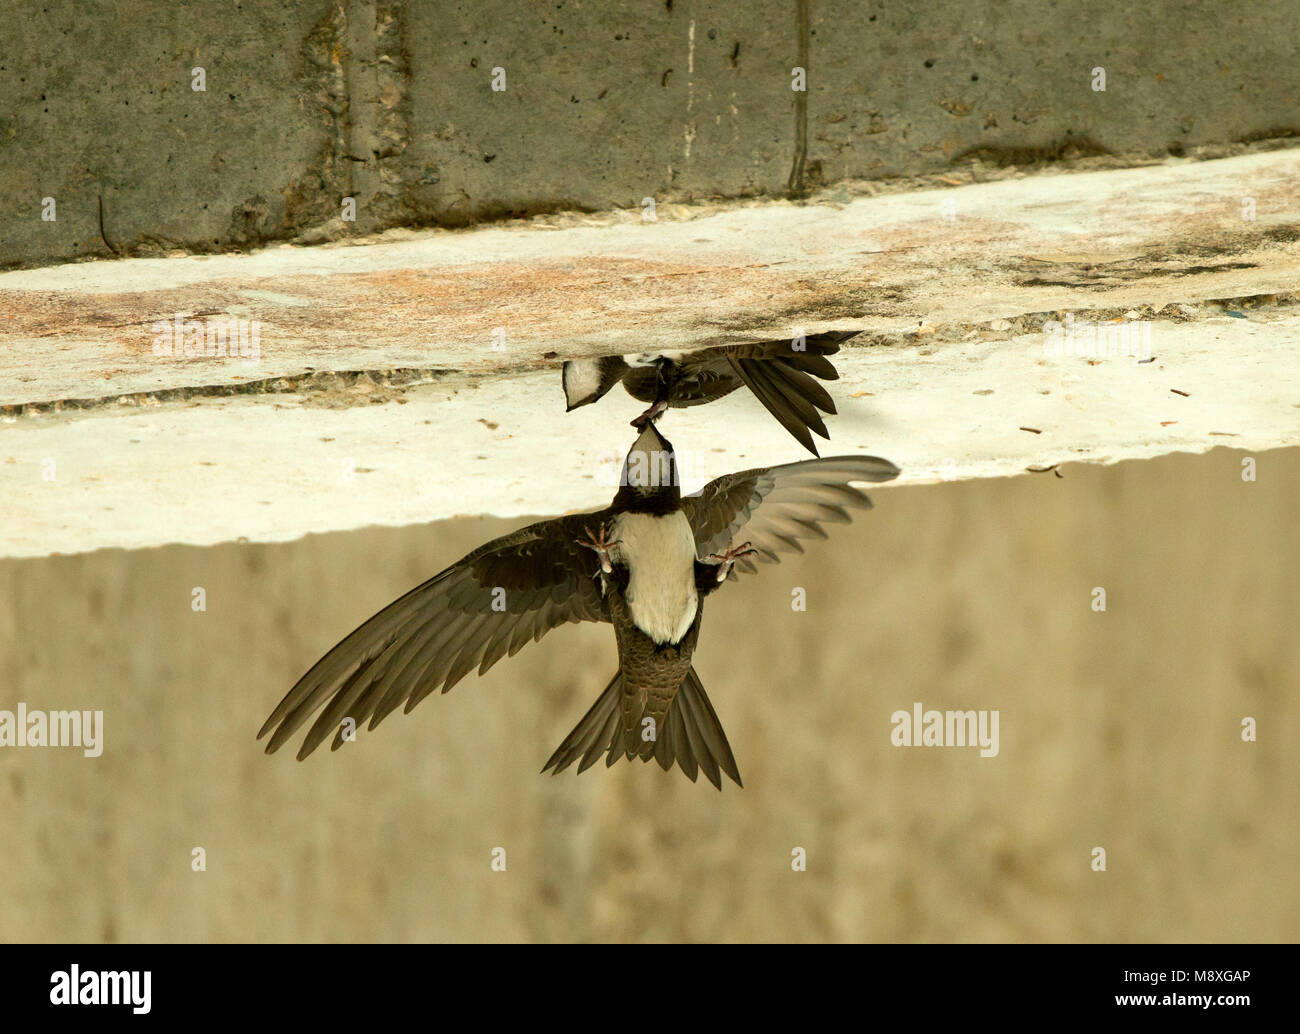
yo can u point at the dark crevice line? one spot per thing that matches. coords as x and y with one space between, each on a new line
285 384
797 186
102 236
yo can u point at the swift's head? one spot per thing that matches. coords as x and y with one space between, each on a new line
650 482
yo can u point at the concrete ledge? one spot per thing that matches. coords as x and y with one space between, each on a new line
697 276
965 299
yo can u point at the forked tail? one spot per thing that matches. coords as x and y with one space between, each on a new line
691 736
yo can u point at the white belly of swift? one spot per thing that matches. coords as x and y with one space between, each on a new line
660 556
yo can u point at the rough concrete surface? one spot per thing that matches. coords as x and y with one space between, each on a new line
107 444
1119 729
97 101
921 265
907 87
391 103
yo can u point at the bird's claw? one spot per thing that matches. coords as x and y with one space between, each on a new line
728 557
651 414
598 543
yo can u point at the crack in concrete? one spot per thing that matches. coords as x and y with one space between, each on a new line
376 382
1264 308
797 186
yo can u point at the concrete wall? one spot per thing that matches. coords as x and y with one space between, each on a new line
391 102
1118 729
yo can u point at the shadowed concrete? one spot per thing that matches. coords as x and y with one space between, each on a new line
391 103
1119 729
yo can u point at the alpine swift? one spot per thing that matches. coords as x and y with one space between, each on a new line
644 563
780 373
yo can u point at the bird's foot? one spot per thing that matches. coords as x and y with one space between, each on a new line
602 546
653 413
728 557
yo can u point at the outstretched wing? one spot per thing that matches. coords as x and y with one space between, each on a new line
775 507
482 608
781 377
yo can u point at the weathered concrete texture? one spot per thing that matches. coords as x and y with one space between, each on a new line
1119 730
954 363
391 102
900 88
604 105
97 100
892 265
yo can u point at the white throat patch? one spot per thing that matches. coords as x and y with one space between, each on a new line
660 556
581 380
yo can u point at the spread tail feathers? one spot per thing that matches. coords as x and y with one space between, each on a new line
692 736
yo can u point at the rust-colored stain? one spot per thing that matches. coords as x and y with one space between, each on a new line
907 269
584 296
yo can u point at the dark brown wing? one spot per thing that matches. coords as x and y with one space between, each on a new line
775 507
503 595
810 358
781 377
699 378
